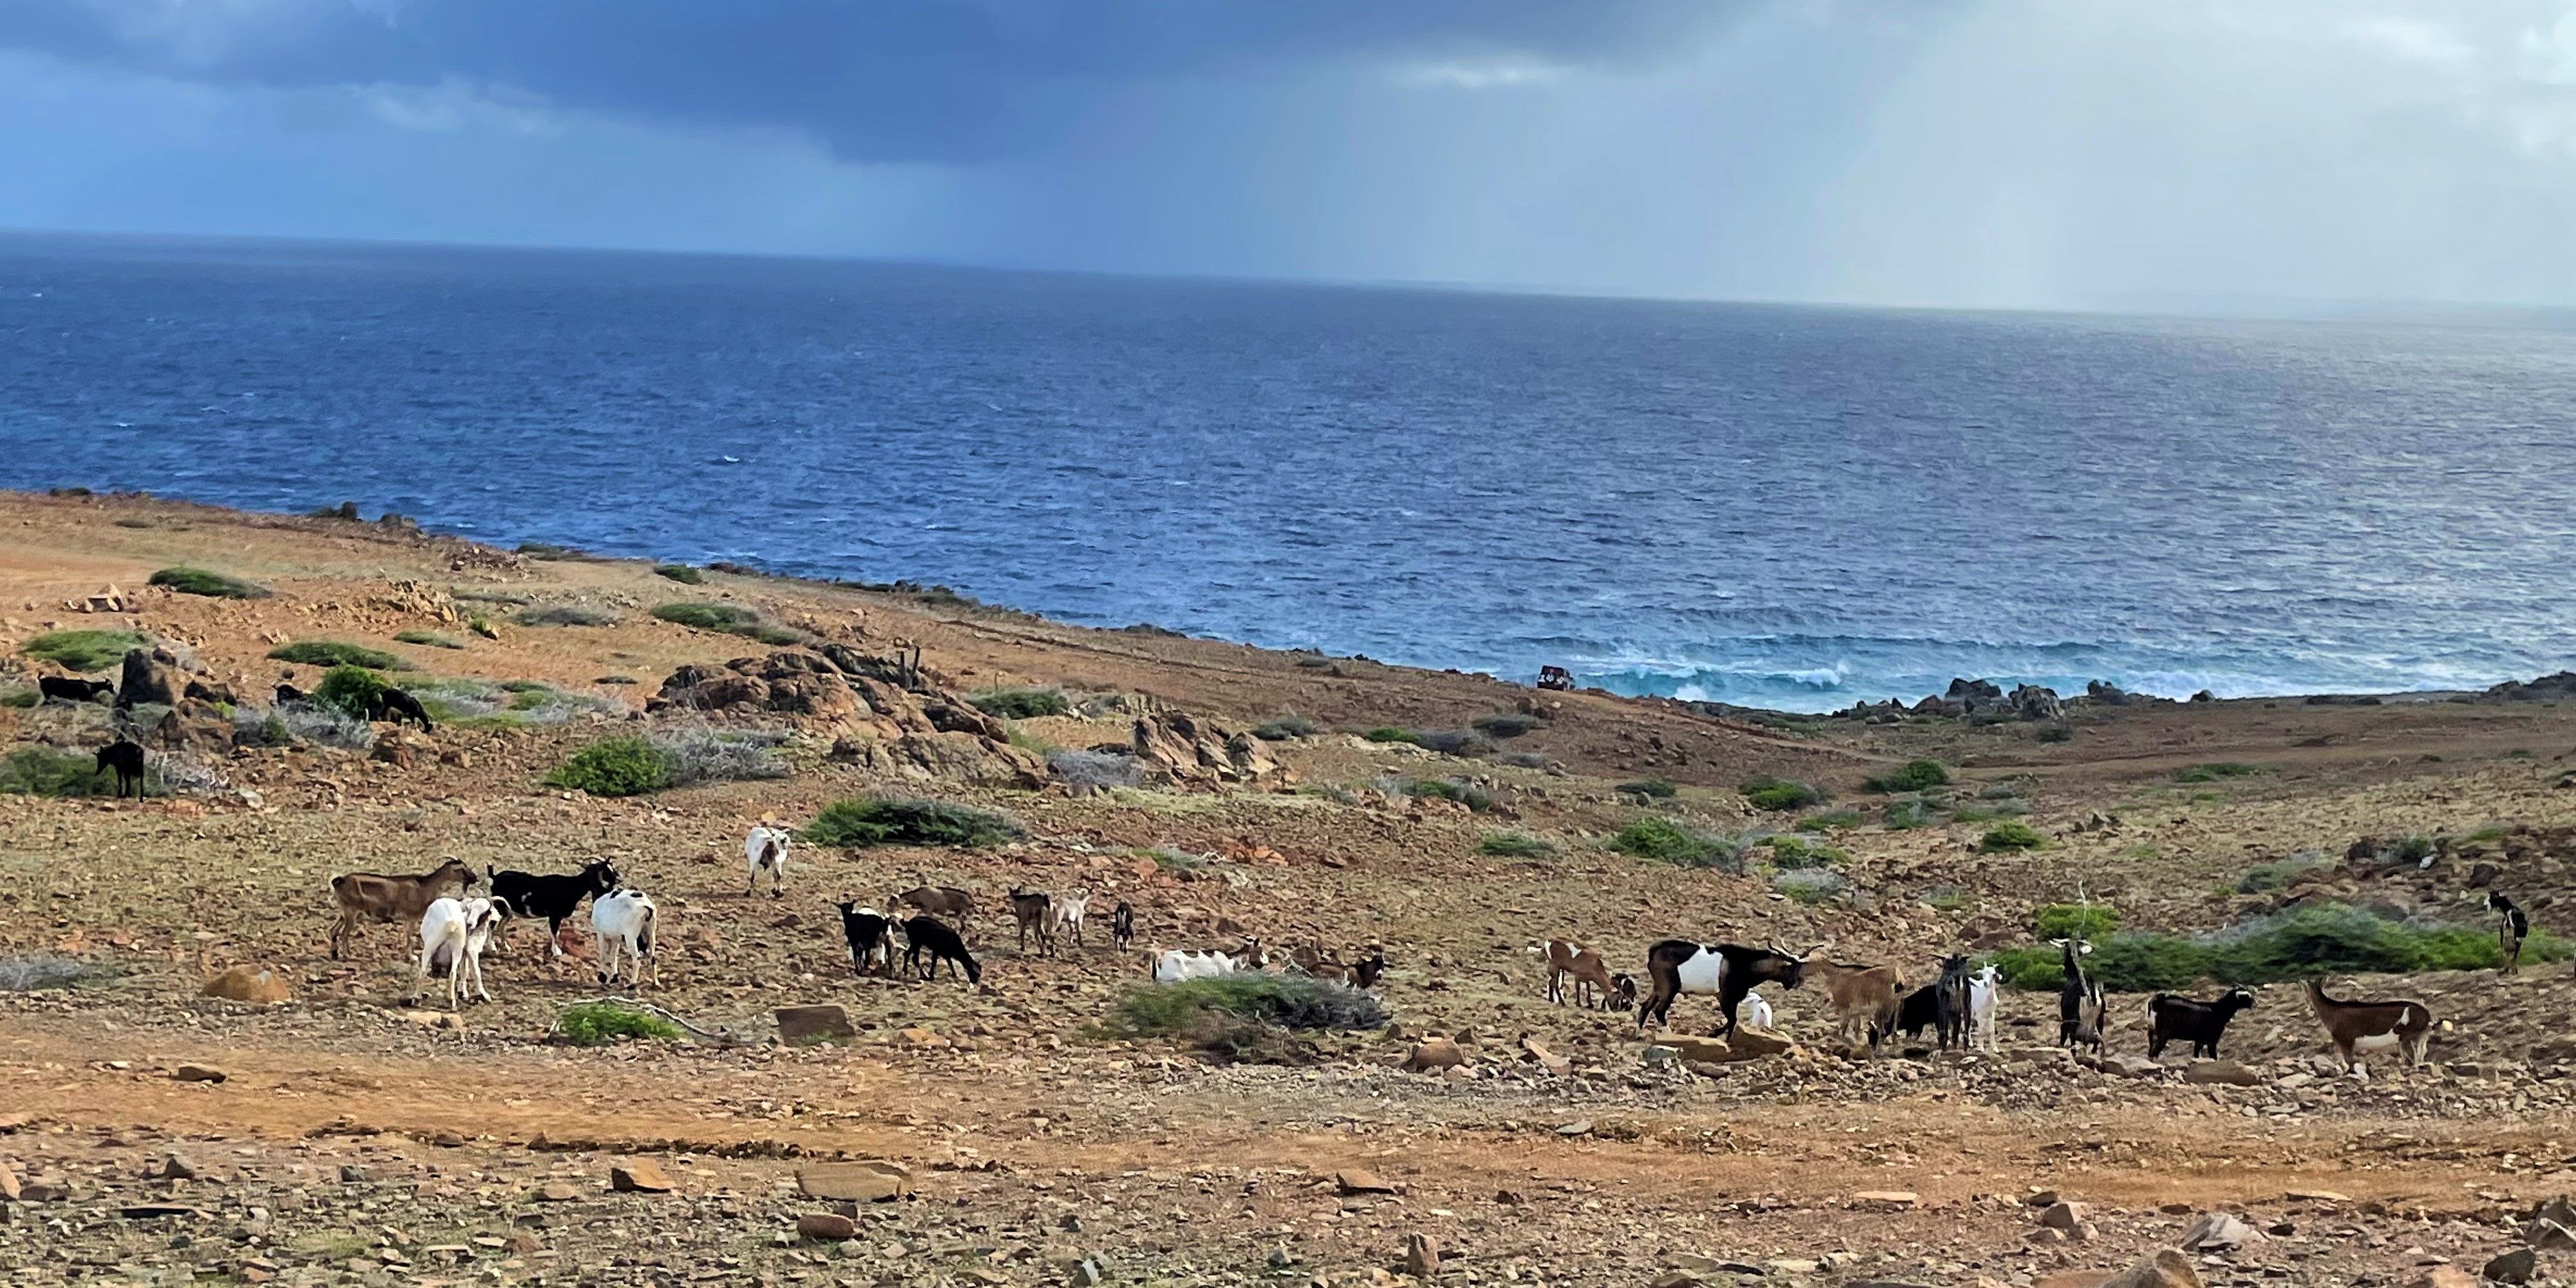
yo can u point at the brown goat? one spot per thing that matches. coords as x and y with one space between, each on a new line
1034 910
370 896
1584 967
2355 1027
937 901
1867 997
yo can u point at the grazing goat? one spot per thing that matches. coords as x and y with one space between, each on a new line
552 897
126 758
2512 927
453 934
1678 966
871 938
1068 916
764 849
371 896
1587 970
1981 1009
289 693
623 921
936 901
2081 1013
1757 1012
1174 965
2356 1027
1035 913
2202 1024
923 935
1122 926
69 689
397 706
1863 998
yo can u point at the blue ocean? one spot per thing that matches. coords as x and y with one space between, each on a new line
1781 506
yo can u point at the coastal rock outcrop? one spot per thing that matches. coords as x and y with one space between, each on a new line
922 732
1177 749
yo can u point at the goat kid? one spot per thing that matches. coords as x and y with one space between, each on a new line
924 935
1982 988
764 849
2202 1024
1069 912
871 938
553 897
1585 968
2358 1027
373 896
453 935
1757 1012
623 921
1864 999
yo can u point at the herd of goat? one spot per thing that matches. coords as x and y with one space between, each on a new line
1870 1003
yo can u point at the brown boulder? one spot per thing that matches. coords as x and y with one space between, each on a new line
1421 1256
2166 1269
1353 1181
247 984
799 1025
825 698
826 1227
638 1176
873 1180
193 725
150 675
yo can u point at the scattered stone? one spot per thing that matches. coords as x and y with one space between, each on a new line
352 1174
1883 1200
1084 1273
2515 1267
874 1180
826 1227
638 1176
2131 1066
2550 1236
2063 1216
10 1190
2221 1073
1579 1127
1421 1256
1678 1279
179 1167
198 1073
557 1192
2316 1196
520 1243
1357 1181
922 1038
799 1025
1548 1060
2217 1232
2443 1277
253 984
2166 1269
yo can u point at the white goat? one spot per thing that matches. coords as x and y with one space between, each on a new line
1068 914
1757 1012
1173 966
1981 1009
453 934
623 920
765 849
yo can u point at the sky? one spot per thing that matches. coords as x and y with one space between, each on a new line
1958 153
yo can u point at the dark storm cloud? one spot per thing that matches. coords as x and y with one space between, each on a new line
878 79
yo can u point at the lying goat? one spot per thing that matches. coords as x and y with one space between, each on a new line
2356 1027
764 849
372 896
1175 965
453 935
2202 1024
552 897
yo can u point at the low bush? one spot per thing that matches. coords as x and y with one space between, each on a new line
427 639
1901 816
1283 728
336 653
21 698
1095 771
1780 794
214 585
2074 921
1453 742
43 771
599 1023
1515 845
2264 878
567 615
1811 885
2299 944
1390 733
1661 840
291 724
729 619
1527 760
1830 821
82 650
895 820
1508 724
1285 1002
617 767
2011 834
29 972
720 756
1650 789
1178 862
350 690
1913 776
1449 789
1021 704
681 573
1791 853
2215 770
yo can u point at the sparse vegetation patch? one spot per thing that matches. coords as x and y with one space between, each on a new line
214 585
897 820
336 653
82 650
600 1023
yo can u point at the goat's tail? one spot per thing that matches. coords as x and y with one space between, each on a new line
644 933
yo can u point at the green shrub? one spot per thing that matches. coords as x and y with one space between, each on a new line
1180 863
1901 816
43 771
2264 878
1509 724
1662 840
2011 834
1515 845
1287 1001
427 639
596 1023
681 573
1390 733
198 581
2074 921
1833 820
1021 704
1649 788
729 619
1283 728
1791 853
2213 771
616 767
2299 944
1913 776
335 653
350 690
22 698
1778 794
82 650
894 820
567 615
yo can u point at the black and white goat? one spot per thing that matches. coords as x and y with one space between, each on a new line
2357 1027
1729 971
2202 1024
924 935
764 849
2082 1013
2512 927
1122 926
871 937
553 897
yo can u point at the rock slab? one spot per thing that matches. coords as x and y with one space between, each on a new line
874 1180
638 1176
798 1025
254 984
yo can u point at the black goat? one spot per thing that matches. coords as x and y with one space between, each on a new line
1951 997
126 759
2512 927
1364 972
2079 998
397 706
2180 1019
870 935
1122 926
552 897
1678 966
1920 1010
923 935
72 690
289 693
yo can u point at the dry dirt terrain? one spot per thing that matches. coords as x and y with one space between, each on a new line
355 1133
